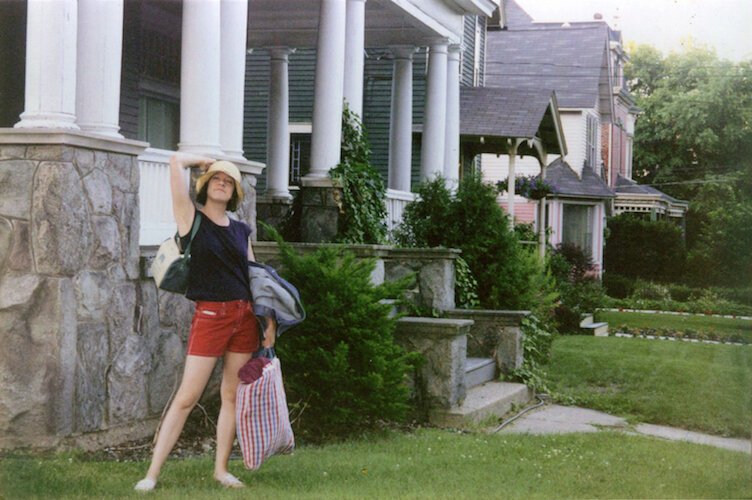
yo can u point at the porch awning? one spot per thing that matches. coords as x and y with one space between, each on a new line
294 23
492 119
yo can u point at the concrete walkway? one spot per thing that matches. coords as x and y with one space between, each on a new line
555 419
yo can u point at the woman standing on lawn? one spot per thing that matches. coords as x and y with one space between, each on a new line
224 324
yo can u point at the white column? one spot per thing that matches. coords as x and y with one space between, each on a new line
452 133
401 120
542 219
100 48
200 77
234 26
434 117
354 54
50 100
278 130
328 89
511 186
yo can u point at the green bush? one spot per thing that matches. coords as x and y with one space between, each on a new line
425 222
580 291
651 250
617 286
738 295
648 290
509 276
343 371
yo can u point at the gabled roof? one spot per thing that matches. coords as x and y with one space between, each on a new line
571 60
489 116
516 17
565 182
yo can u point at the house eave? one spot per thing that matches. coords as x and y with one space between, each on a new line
478 7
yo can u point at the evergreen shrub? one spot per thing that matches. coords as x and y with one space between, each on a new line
650 250
617 286
343 371
509 275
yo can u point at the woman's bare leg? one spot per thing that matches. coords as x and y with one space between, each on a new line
233 362
196 375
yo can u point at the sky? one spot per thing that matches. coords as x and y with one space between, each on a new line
724 25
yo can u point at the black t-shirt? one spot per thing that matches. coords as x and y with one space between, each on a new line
219 262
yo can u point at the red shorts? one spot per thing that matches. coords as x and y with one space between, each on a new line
219 327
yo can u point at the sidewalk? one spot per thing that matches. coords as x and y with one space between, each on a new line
555 419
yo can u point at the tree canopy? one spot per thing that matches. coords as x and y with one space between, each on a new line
694 141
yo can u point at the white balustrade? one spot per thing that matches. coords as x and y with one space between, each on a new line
155 199
396 201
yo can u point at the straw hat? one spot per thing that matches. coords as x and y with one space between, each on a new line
228 168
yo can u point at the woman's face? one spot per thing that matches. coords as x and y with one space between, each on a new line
221 187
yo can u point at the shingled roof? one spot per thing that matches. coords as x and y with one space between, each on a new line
565 181
491 112
571 60
628 186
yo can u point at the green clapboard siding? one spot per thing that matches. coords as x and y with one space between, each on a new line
377 90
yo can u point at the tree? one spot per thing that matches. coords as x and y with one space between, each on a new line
694 141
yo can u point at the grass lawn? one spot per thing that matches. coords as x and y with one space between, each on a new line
738 330
426 464
701 387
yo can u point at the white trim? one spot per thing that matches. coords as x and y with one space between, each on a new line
300 128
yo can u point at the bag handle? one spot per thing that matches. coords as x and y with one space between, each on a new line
194 230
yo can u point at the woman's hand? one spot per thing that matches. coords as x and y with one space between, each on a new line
189 160
270 333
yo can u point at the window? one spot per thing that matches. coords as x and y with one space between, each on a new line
578 226
159 122
300 156
591 142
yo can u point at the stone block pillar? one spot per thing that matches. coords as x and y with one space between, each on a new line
494 334
320 208
74 360
443 345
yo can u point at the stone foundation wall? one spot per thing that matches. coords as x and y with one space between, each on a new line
72 359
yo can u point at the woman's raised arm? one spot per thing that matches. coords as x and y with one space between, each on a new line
182 206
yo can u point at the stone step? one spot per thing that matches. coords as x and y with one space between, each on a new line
479 371
595 329
492 399
586 319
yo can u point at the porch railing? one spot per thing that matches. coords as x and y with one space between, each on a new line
396 201
157 222
155 200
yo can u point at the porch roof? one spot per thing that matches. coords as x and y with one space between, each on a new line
567 183
490 116
294 23
625 187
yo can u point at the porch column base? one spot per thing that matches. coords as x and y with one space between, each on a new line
320 210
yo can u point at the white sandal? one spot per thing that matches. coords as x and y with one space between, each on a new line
145 484
229 481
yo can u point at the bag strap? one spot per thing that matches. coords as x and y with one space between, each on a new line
194 230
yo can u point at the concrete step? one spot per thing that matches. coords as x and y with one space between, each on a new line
479 371
492 399
586 319
595 329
